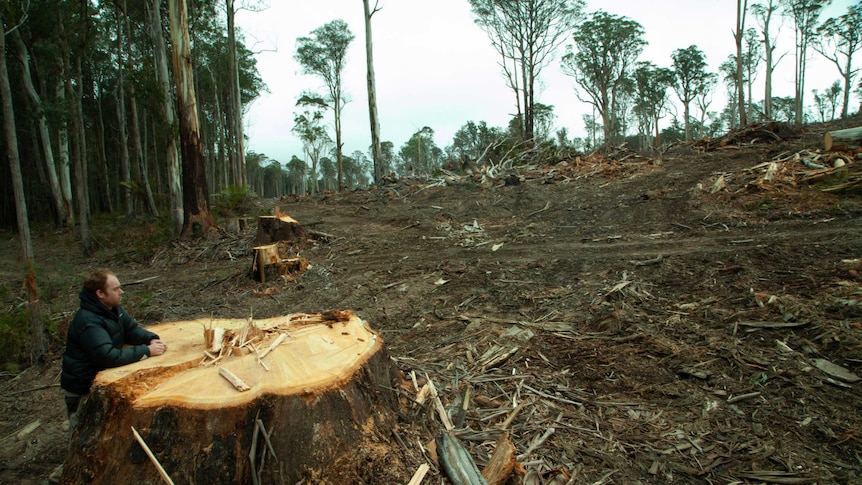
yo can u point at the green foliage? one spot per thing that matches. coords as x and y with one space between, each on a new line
234 201
606 47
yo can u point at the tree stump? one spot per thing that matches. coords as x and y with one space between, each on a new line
278 227
278 238
313 401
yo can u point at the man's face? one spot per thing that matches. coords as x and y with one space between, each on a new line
112 295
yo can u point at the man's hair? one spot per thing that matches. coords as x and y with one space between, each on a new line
97 280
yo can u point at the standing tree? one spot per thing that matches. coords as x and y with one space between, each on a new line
607 46
763 14
324 54
307 126
651 85
738 33
13 17
236 138
804 14
832 94
526 35
690 79
840 38
373 119
704 99
420 155
751 57
166 107
63 208
196 210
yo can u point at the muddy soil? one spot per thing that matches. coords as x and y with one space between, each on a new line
646 329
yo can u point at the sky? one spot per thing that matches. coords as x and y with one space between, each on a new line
434 67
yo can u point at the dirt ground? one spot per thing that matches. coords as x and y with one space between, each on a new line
646 329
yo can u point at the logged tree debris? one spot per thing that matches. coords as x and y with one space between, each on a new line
322 392
769 132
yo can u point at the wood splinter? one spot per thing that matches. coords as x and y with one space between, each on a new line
275 344
233 379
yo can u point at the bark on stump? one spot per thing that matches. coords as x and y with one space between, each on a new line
325 403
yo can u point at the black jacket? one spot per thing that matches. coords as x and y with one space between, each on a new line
100 338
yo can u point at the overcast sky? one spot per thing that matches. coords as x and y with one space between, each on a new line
436 68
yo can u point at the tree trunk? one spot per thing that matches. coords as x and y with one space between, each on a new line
139 154
376 152
843 140
140 161
61 216
125 167
162 74
25 242
235 111
79 159
741 8
197 216
65 166
280 400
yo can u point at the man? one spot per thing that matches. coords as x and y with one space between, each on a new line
101 335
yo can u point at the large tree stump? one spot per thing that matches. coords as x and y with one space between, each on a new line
319 406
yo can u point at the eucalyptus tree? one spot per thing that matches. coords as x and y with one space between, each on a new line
296 176
11 18
751 57
420 155
315 140
704 99
738 33
476 143
324 54
651 84
62 208
607 46
804 14
197 217
690 79
166 110
236 138
526 35
373 119
838 40
763 14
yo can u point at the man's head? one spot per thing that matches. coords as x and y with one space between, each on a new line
104 284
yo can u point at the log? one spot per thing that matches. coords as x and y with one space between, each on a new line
327 401
846 140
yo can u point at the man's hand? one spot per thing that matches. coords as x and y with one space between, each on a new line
157 347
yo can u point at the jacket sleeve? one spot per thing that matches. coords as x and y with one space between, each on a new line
135 334
97 344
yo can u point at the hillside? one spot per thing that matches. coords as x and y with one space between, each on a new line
655 321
